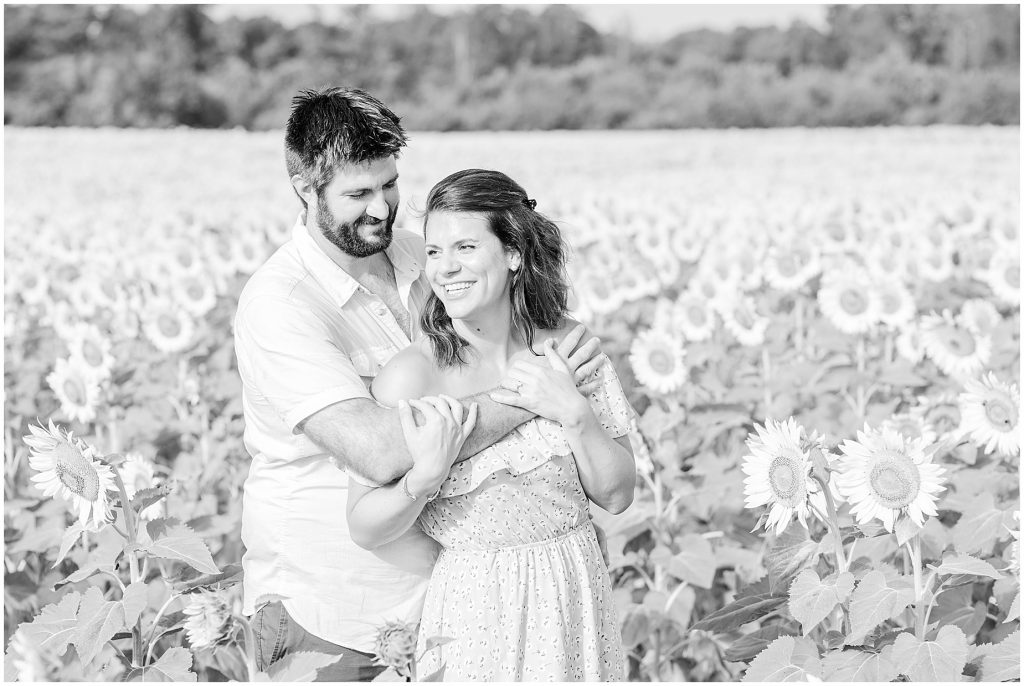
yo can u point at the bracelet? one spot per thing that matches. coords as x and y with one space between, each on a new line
404 482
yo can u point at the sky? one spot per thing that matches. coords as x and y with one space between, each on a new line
644 22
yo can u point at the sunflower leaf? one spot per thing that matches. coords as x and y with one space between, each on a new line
905 529
943 659
173 540
980 526
860 665
740 611
101 619
753 643
965 564
793 550
695 563
811 600
875 600
173 665
1002 661
300 666
786 659
53 628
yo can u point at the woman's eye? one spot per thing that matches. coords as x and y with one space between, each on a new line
431 253
466 247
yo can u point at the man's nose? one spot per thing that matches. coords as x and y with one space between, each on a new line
378 207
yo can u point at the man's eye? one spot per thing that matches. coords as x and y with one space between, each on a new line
390 185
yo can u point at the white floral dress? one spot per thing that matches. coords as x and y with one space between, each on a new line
520 585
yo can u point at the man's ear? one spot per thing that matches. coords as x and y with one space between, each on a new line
304 189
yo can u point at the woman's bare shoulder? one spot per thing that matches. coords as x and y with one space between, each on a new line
411 373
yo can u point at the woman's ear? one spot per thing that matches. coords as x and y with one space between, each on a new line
515 260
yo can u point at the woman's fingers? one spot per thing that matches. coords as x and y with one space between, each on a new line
588 368
587 352
429 412
566 345
405 417
470 423
456 407
557 362
442 407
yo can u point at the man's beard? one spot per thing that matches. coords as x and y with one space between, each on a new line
346 236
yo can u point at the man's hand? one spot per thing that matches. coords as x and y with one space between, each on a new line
582 363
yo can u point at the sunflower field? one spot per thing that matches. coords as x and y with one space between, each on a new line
819 330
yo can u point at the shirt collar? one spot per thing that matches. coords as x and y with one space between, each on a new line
339 283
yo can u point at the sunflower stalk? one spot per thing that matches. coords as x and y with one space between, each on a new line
766 376
133 560
832 521
249 648
920 609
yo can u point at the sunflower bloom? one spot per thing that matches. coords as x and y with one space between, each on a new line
980 316
896 304
138 473
68 467
911 425
92 349
789 267
778 470
694 316
849 302
75 386
883 475
168 327
741 319
208 615
991 414
657 359
396 647
1003 277
955 349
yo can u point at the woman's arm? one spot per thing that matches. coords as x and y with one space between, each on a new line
380 515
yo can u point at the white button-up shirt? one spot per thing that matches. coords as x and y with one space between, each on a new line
307 335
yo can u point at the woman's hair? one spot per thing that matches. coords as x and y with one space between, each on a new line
539 288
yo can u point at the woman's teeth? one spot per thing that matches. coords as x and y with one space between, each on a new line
457 288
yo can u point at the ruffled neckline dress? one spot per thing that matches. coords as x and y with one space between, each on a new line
520 591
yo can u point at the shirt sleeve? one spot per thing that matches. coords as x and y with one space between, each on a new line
287 353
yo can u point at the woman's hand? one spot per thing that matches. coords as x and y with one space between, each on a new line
436 443
545 386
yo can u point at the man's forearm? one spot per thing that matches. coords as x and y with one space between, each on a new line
364 436
494 421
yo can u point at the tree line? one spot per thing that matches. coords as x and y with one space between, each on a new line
497 67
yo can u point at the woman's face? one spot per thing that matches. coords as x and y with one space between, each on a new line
467 266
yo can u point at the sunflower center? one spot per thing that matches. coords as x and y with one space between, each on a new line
75 391
195 291
959 341
785 478
708 289
696 315
92 354
895 480
1012 276
168 325
836 231
853 302
787 265
890 303
908 428
661 362
1000 414
76 472
744 317
944 418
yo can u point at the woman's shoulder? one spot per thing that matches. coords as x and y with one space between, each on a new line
409 374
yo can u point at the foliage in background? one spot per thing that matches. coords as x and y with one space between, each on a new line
839 278
495 67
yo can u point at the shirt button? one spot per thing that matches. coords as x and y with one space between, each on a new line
380 311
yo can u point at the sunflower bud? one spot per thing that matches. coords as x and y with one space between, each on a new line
819 465
396 646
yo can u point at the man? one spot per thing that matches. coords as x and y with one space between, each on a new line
314 325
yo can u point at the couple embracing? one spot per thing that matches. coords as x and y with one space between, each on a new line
426 430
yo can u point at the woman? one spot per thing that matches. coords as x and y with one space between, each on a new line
520 585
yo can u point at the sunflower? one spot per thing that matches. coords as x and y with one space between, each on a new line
598 294
694 317
778 473
991 414
883 475
91 349
653 240
942 413
248 252
81 296
741 319
1003 277
908 343
75 386
396 647
33 286
139 473
196 293
911 425
657 359
789 267
955 349
636 282
975 256
836 234
688 242
167 327
208 616
933 263
667 270
980 316
849 302
896 306
67 467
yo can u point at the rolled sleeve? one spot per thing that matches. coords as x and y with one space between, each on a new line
288 353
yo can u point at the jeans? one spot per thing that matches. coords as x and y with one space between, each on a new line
278 634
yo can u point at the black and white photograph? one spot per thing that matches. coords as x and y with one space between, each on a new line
512 342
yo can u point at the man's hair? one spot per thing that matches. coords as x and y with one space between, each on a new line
337 125
538 291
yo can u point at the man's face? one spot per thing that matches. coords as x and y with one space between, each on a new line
357 209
